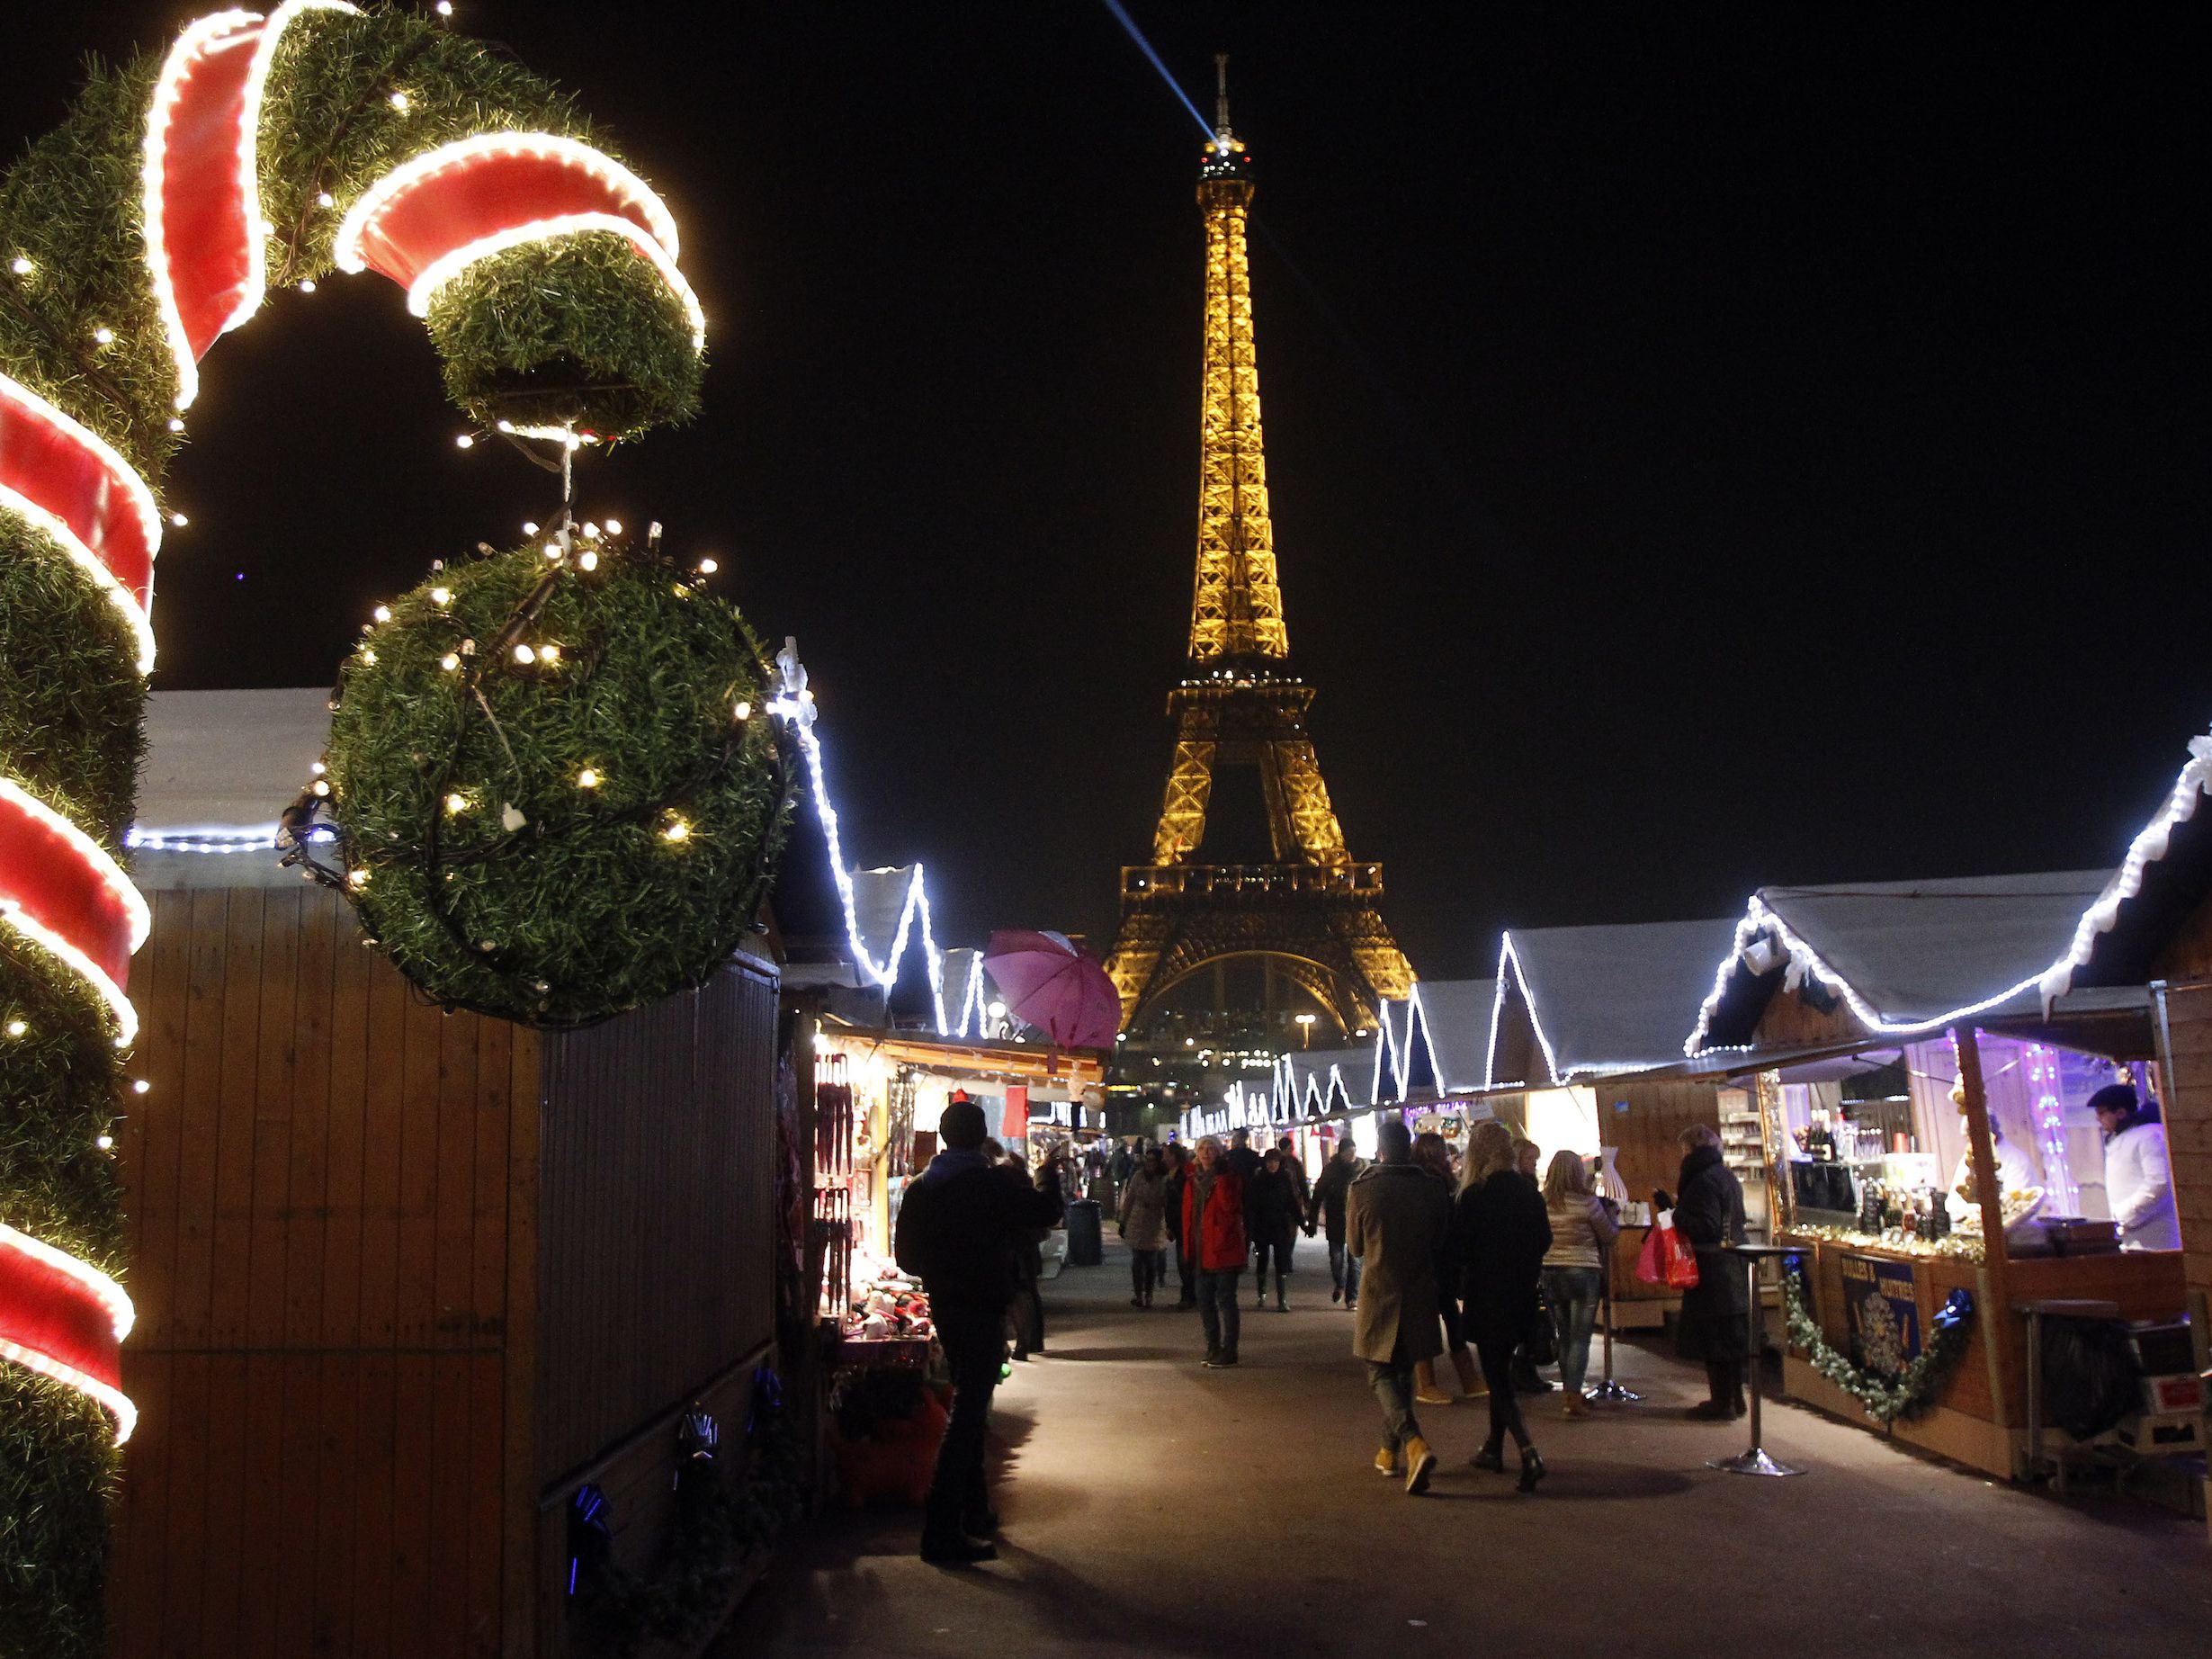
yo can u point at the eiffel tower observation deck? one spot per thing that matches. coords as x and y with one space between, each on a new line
1253 927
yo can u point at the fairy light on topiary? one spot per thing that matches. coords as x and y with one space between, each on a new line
518 867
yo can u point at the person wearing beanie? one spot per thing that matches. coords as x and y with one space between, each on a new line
2138 1180
958 1229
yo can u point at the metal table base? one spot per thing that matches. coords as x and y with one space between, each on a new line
1755 1460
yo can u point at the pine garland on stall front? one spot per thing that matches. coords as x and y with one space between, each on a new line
1915 1387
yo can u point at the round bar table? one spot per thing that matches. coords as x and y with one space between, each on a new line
1755 1461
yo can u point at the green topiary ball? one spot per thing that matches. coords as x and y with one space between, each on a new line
555 786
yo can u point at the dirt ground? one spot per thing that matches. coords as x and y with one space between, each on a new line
1151 1506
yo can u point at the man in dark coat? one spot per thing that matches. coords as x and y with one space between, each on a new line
1330 1191
1396 1223
1708 1214
1241 1161
1186 1270
1273 1211
959 1227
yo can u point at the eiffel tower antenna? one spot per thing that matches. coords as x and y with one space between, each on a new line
1310 913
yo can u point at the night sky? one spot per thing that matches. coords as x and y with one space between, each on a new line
1702 455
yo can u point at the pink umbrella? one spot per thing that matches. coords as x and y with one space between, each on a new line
1055 986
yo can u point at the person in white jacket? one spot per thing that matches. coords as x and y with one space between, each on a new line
2138 1180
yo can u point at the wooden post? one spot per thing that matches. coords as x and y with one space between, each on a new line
1996 1316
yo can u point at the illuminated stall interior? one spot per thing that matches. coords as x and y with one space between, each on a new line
1846 1007
1585 1053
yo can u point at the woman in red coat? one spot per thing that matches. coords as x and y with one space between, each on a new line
1214 1234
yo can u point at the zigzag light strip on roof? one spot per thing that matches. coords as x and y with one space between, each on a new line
2146 850
797 707
1399 1064
2149 846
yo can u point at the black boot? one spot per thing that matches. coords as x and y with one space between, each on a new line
1717 1408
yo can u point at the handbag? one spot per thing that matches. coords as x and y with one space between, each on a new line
1543 1339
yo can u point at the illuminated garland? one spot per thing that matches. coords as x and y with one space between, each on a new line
151 223
1917 1385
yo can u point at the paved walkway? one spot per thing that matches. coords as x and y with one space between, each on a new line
1153 1507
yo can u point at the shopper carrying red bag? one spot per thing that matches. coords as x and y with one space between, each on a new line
1665 1260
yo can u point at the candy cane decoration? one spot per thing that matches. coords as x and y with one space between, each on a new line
206 251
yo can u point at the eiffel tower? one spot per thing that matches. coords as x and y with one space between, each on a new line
1308 914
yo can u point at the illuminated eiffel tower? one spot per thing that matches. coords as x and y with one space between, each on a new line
1306 912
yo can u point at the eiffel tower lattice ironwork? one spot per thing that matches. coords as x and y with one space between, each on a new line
1311 911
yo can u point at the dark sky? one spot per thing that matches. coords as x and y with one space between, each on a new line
1703 453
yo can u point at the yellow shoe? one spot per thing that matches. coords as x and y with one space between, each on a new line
1387 1462
1421 1463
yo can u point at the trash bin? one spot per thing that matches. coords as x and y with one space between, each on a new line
1085 1239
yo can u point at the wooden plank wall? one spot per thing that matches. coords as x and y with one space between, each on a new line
2189 1125
325 1255
1649 1156
659 1197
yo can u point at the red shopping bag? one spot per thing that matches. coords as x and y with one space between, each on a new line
1665 1260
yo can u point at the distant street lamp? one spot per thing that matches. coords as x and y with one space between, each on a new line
1305 1031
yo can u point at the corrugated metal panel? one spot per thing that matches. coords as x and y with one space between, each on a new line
658 1211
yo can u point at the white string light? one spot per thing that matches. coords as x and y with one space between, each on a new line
604 169
197 39
443 269
120 1314
256 286
123 476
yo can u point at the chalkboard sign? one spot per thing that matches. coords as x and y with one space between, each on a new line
1881 1313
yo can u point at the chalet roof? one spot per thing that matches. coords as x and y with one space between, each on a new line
1607 1000
228 761
1906 956
1438 1038
1314 1081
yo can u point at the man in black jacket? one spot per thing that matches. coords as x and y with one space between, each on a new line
958 1228
1328 1206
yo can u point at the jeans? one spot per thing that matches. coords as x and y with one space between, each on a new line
1147 1269
1217 1310
1344 1269
1572 1292
1505 1411
1186 1275
1280 1250
1394 1388
974 1349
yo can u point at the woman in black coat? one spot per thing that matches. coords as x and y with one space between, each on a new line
1708 1213
1501 1231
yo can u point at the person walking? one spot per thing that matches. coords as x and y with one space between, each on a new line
1432 1155
1272 1216
1709 1215
1583 1234
1501 1235
957 1228
1295 1165
1397 1221
1178 1182
1241 1160
1527 1379
1143 1221
1330 1190
1025 1312
1214 1233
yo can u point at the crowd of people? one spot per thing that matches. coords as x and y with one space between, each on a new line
1470 1259
1476 1263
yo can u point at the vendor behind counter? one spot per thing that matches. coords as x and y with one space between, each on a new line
2138 1176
